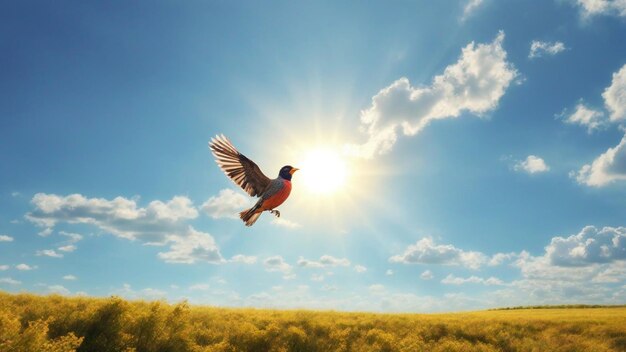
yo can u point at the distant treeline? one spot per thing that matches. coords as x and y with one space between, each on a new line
563 306
30 323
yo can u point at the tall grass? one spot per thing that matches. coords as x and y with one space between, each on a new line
62 324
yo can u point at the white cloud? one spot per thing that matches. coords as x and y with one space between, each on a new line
49 253
120 216
15 194
532 165
470 7
475 83
602 7
227 204
194 246
45 233
70 278
68 248
614 273
426 251
277 263
4 267
5 238
245 259
576 268
453 280
73 237
611 165
587 117
9 281
25 267
324 261
607 168
615 95
591 245
158 223
389 272
427 275
285 223
539 48
500 258
360 269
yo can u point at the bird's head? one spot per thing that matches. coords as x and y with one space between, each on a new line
287 171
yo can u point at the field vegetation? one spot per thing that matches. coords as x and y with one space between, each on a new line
63 324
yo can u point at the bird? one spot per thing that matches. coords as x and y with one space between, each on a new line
247 175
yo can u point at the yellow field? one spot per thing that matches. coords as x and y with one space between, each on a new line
54 323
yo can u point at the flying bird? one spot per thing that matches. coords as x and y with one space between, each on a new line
245 173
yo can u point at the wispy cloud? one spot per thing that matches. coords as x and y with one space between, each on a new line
6 238
49 253
72 237
360 269
539 49
475 84
324 261
9 281
200 287
470 7
68 248
454 280
45 233
245 259
128 292
285 223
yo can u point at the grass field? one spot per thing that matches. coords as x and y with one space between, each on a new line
59 324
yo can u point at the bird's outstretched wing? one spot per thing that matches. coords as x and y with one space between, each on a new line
238 167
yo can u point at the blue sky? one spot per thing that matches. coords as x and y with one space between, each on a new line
484 145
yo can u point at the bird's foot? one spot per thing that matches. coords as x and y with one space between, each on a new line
275 212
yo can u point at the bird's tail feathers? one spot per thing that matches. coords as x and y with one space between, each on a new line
250 216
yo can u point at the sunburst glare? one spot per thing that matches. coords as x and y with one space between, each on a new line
323 172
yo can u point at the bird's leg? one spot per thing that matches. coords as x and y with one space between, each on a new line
275 212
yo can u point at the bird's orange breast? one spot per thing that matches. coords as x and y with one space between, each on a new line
277 198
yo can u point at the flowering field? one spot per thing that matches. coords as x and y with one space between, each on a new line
59 324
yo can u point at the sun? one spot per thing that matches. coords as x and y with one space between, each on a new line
323 171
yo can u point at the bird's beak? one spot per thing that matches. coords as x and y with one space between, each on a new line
293 170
